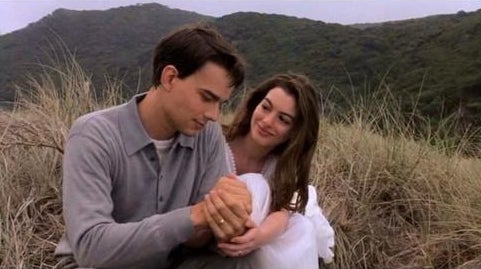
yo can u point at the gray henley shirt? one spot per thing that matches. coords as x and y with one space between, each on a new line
122 209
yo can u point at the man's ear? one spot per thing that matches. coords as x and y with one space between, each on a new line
168 75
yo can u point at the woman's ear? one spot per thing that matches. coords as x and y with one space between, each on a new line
168 75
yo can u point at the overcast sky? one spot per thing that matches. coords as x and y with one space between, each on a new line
16 14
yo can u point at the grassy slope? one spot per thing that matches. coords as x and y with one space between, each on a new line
393 202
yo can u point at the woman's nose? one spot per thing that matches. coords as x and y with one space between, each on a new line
269 119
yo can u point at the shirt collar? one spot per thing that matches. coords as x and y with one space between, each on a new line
133 133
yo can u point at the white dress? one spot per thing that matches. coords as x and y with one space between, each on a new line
306 238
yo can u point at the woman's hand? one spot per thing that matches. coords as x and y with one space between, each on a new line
274 225
244 244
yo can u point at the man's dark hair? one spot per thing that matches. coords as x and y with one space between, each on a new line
190 47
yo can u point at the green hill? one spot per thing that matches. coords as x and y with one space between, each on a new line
438 56
115 43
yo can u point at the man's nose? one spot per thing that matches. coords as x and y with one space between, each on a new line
213 113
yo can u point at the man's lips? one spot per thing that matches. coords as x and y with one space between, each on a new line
200 124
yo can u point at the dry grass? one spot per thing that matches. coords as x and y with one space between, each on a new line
31 147
398 203
394 202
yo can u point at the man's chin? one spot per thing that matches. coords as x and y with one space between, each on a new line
190 132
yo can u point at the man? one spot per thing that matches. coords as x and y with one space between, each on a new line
135 175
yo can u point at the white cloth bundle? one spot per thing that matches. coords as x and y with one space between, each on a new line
306 237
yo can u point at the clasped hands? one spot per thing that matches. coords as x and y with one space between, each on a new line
227 209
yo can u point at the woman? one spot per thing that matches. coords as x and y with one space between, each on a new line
271 143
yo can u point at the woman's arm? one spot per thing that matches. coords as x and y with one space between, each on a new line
274 225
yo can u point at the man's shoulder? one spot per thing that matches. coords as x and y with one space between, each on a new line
99 120
212 130
213 127
210 138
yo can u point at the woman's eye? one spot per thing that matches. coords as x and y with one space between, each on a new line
285 120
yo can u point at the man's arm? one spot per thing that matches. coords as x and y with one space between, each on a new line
202 233
95 238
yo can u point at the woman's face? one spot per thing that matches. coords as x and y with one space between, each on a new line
273 118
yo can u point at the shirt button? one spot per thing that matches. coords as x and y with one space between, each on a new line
161 199
152 158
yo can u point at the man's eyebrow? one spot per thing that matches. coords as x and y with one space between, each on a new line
211 95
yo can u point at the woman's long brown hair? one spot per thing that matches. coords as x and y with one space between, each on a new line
295 155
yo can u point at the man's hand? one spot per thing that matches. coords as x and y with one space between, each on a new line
202 232
227 208
236 189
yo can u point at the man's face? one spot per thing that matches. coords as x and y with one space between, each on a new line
196 99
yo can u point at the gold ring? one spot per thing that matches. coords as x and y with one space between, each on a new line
221 221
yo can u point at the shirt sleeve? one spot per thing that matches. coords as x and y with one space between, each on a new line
95 238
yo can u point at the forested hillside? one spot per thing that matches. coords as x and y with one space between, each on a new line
432 62
113 43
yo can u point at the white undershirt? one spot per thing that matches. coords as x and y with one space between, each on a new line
162 147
